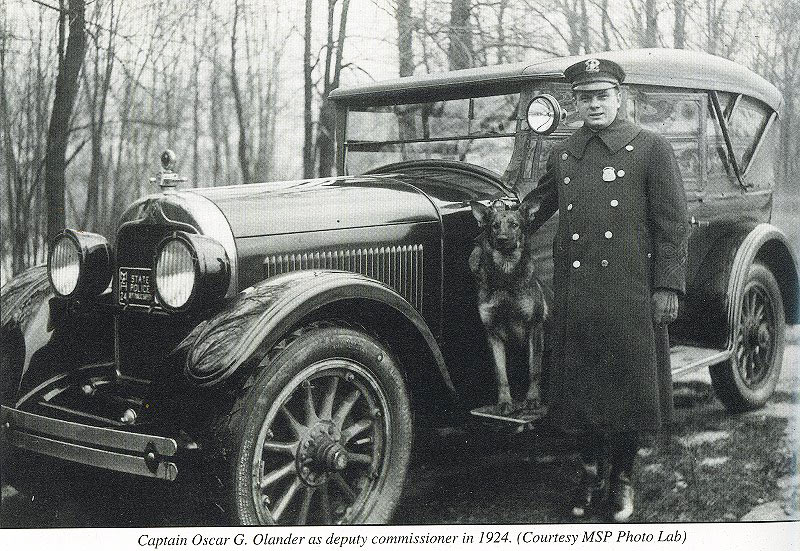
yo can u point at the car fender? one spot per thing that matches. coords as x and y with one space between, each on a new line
22 329
768 244
258 317
45 338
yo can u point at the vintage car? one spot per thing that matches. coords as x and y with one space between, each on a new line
285 340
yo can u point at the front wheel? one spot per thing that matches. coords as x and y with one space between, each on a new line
323 435
747 380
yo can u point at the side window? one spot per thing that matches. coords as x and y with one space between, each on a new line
681 118
746 123
719 171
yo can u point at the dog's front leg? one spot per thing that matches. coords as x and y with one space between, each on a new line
533 399
500 375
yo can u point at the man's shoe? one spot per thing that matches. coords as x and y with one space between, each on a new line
621 498
588 492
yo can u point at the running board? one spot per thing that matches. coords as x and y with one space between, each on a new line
685 358
518 416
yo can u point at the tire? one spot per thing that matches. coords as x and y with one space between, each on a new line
747 380
321 436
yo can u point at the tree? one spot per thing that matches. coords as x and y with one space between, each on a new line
308 92
460 53
679 31
70 60
97 95
334 51
405 37
237 99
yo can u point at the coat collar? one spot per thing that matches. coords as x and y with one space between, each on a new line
615 136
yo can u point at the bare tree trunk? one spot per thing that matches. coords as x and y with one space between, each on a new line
651 24
326 144
308 89
98 99
679 33
69 66
405 29
586 36
12 177
604 24
711 21
460 52
196 99
237 100
216 106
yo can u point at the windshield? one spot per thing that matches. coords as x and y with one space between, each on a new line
479 130
474 130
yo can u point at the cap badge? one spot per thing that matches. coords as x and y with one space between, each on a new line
609 175
592 66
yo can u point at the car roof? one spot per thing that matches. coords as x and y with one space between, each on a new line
655 66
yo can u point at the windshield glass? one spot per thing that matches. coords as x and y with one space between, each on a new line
474 130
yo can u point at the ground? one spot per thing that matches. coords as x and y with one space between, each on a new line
714 467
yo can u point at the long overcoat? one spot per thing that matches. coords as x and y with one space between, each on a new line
622 233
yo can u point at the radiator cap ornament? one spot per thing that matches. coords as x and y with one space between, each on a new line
168 179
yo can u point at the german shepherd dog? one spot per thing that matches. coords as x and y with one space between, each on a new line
511 300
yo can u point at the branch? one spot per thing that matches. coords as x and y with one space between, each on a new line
54 8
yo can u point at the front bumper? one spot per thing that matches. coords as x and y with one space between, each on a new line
117 450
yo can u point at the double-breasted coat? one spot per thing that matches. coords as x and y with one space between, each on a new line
622 233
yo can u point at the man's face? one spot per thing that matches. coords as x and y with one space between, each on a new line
598 108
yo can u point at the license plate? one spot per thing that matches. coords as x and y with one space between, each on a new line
134 287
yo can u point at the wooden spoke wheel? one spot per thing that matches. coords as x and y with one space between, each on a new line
325 434
748 378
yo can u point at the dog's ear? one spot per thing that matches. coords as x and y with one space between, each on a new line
528 210
481 213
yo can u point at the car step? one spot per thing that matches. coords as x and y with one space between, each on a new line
685 358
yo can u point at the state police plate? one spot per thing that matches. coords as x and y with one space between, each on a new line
135 287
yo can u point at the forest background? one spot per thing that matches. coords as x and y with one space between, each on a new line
91 91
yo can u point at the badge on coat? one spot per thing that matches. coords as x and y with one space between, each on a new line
609 174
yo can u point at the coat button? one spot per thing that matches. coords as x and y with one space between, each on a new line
576 264
629 147
604 263
649 255
575 236
609 235
620 173
564 156
566 180
569 207
614 202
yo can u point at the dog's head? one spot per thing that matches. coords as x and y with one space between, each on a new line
505 227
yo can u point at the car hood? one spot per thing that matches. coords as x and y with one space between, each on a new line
298 206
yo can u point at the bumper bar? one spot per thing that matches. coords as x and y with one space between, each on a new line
117 450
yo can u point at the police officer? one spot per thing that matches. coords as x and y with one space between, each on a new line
620 263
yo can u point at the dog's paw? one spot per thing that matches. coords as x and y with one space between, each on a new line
533 404
504 408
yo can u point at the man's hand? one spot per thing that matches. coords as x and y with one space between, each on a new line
665 306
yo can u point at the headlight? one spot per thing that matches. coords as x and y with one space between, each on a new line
544 114
190 268
79 264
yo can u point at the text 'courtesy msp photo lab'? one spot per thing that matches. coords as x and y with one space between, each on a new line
652 536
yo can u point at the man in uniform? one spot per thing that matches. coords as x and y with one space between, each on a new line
620 264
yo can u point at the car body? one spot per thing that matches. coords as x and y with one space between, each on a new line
324 313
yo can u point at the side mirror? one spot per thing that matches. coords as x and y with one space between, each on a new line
544 114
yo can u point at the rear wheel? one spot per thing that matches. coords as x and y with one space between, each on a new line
748 379
323 435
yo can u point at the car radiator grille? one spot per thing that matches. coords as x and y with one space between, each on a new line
399 267
145 336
